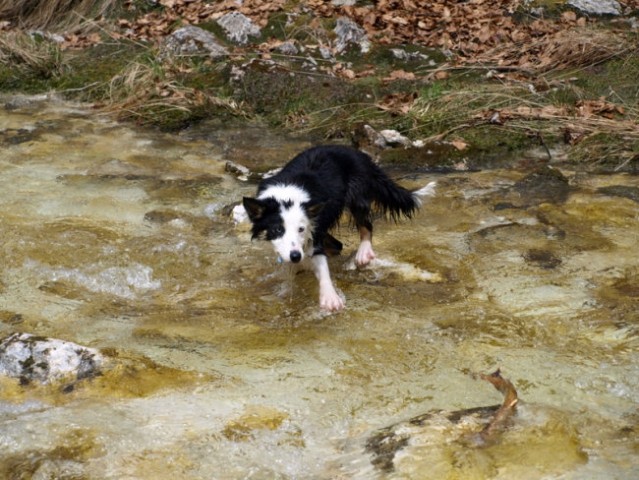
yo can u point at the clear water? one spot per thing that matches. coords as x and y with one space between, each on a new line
117 239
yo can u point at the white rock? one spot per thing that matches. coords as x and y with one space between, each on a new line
238 27
350 33
41 359
192 40
394 137
597 7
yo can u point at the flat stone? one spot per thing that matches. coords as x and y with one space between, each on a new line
544 185
192 40
624 191
39 359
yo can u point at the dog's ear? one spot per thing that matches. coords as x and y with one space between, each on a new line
254 208
313 209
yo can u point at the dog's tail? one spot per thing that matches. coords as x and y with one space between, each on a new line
392 199
427 190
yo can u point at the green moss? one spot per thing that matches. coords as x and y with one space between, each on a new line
29 63
278 27
437 156
276 93
304 28
208 76
170 117
433 91
616 78
216 30
83 74
495 140
551 9
418 59
607 152
142 7
89 72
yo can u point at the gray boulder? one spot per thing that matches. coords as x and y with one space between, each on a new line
192 40
287 48
597 7
39 359
238 27
350 33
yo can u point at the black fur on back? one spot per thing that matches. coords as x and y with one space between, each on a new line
343 178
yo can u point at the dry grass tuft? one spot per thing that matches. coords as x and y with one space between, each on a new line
147 91
26 53
565 49
544 93
53 14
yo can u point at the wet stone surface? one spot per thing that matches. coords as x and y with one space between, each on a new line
31 358
623 191
222 366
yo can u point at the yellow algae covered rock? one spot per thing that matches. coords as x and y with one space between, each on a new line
256 417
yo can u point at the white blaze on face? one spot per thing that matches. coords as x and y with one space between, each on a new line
297 226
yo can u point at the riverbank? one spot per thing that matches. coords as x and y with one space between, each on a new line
476 82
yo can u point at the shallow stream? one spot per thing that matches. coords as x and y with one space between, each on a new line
119 239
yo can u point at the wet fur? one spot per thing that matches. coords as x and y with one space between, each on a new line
296 208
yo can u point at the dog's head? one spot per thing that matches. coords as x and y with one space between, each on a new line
285 220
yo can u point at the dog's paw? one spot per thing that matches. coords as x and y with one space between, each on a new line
364 255
331 301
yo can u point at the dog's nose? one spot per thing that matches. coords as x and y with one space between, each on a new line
296 256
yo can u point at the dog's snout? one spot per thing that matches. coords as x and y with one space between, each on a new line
296 256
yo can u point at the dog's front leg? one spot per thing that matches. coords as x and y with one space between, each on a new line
329 298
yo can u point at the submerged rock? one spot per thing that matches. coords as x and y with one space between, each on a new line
469 443
544 185
444 444
431 428
624 191
238 27
254 419
19 101
39 359
542 258
192 40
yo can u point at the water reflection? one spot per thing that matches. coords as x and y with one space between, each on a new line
117 239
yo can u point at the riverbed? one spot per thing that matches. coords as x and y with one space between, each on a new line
120 239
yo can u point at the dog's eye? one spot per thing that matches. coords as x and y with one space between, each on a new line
278 230
301 229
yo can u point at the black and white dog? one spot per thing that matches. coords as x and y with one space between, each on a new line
296 208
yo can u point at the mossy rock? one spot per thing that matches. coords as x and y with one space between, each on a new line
275 92
435 156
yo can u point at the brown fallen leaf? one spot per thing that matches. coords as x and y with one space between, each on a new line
506 410
601 107
398 102
399 75
572 135
441 75
459 144
344 72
